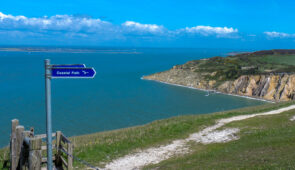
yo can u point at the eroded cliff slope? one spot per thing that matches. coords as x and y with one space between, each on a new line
260 75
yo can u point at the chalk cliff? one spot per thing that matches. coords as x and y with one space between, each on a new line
268 86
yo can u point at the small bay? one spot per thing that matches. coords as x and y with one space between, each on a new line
115 98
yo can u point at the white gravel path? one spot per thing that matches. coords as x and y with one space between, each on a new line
208 135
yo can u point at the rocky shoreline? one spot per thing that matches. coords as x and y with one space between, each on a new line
218 92
269 87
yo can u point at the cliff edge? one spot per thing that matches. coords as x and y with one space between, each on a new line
268 75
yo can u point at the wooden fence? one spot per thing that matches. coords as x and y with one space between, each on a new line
28 151
63 147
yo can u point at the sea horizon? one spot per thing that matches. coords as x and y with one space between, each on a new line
116 98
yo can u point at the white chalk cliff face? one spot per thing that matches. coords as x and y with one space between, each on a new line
274 87
270 87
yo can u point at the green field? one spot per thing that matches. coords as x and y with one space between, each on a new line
230 68
265 142
280 59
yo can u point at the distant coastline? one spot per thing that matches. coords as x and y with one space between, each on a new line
236 53
69 50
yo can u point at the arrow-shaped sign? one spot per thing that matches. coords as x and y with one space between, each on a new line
60 71
68 66
68 72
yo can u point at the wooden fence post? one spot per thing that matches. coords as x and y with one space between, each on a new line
19 143
70 159
58 161
35 154
13 160
24 155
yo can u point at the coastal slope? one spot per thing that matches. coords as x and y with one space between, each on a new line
268 75
224 140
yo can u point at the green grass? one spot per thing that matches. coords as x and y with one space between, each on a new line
266 142
103 147
280 59
100 148
4 156
232 67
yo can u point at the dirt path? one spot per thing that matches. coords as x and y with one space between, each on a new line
208 135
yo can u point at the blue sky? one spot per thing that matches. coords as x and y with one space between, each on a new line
146 23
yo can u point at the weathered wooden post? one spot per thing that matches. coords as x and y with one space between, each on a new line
24 155
26 149
13 145
32 132
35 153
70 159
19 142
58 161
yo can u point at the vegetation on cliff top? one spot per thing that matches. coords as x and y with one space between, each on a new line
264 142
232 67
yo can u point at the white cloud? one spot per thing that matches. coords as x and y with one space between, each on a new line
54 23
69 26
131 26
274 34
3 16
208 30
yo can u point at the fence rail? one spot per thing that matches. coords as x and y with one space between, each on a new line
63 143
26 149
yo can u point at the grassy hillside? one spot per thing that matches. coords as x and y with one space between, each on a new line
103 147
4 155
265 142
232 67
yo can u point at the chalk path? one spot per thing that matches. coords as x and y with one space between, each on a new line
208 135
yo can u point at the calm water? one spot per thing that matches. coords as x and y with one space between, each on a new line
116 98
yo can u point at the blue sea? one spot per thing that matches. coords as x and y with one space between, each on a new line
115 98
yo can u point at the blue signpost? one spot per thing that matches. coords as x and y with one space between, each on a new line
68 66
72 72
60 71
